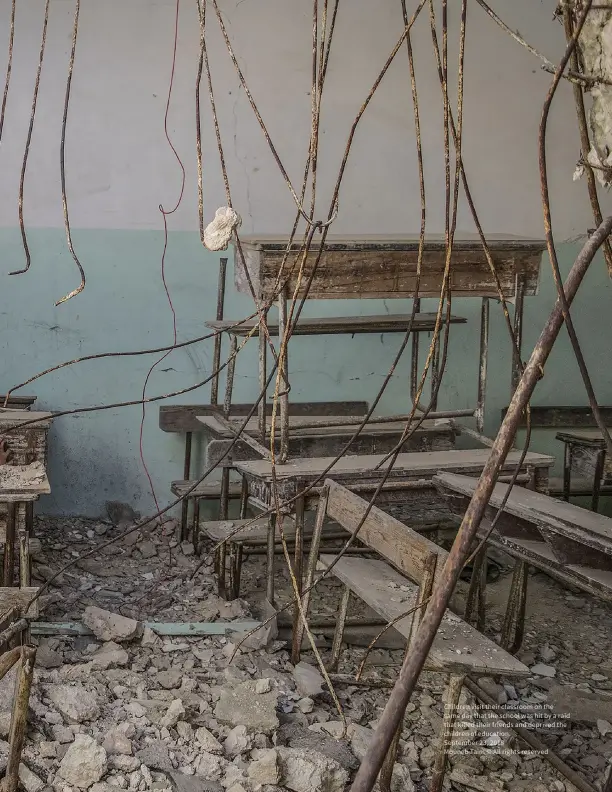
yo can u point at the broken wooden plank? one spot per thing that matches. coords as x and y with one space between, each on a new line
183 418
385 267
338 325
19 598
457 646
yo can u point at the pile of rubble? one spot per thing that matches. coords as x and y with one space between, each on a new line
123 707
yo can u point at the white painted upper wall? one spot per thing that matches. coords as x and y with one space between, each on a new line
120 166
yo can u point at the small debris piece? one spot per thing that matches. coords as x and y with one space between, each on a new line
208 741
110 655
308 679
117 741
173 714
240 705
156 756
310 771
74 702
169 679
84 763
604 727
109 626
543 670
47 657
263 686
186 783
29 780
264 770
218 233
238 741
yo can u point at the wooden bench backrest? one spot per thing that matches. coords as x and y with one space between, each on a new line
400 545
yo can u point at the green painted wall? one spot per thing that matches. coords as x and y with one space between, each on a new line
95 457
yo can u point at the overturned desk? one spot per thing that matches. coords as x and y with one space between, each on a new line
299 482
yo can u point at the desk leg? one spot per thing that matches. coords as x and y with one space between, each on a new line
186 476
263 375
567 471
270 559
244 498
284 379
195 532
297 568
224 495
339 633
514 620
9 545
298 633
599 472
475 612
451 710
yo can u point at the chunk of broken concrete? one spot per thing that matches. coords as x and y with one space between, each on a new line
240 705
543 670
74 702
264 770
84 762
156 756
47 657
308 679
310 771
208 741
186 783
109 626
116 740
173 714
29 780
238 741
110 655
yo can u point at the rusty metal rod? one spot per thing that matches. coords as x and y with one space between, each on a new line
482 368
413 664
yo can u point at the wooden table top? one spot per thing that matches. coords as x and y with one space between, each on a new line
418 462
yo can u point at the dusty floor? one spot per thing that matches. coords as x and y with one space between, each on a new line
165 694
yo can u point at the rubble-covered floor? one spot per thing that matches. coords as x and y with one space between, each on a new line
172 713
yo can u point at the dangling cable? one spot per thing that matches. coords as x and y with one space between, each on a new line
9 66
26 153
81 286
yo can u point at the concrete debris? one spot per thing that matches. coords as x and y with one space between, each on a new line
156 756
74 702
243 706
173 713
238 741
29 780
543 670
110 655
84 762
208 741
187 783
310 771
264 769
109 626
308 679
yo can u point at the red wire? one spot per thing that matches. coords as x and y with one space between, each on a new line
164 214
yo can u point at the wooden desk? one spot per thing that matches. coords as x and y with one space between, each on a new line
411 479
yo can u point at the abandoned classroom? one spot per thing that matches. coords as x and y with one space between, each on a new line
305 452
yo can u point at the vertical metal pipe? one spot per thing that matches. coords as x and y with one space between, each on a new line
9 545
214 383
518 330
411 668
244 498
482 368
263 374
24 558
231 368
284 397
567 471
435 374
